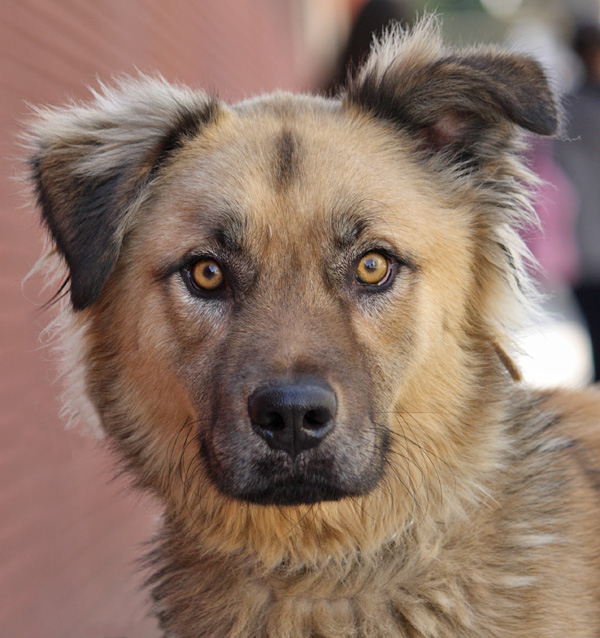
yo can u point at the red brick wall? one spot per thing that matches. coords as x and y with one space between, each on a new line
69 536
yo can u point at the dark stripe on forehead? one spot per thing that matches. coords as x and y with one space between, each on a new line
287 159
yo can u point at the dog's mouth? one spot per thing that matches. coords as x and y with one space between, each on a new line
275 478
292 488
248 472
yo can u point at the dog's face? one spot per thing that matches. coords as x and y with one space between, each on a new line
288 301
286 295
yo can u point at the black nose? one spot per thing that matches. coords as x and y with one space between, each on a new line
293 416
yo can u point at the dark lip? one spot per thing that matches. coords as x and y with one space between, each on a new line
289 494
280 480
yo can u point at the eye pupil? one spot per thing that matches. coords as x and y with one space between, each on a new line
210 271
371 264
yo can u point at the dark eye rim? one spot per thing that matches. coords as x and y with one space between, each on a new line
188 278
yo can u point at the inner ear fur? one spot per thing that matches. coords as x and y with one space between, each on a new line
463 104
89 164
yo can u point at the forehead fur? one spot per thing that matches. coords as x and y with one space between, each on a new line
268 172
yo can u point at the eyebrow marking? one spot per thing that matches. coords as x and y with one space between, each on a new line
350 227
227 228
347 229
230 231
287 159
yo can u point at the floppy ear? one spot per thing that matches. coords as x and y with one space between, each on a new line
90 164
464 105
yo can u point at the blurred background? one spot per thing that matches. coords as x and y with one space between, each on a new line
69 531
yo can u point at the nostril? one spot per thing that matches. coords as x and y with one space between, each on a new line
272 421
317 418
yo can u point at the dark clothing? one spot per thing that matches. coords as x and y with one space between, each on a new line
588 298
579 156
373 19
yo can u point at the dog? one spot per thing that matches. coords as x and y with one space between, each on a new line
292 317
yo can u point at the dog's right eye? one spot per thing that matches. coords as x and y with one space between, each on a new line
204 276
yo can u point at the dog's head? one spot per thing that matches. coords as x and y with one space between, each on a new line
294 305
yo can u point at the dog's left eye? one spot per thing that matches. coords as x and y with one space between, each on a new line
373 269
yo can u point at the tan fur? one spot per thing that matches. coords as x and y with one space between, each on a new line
485 519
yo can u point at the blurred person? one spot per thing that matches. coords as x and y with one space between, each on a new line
372 20
579 155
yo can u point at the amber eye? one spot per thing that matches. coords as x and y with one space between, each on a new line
206 274
373 269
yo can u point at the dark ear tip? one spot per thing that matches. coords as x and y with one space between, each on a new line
548 118
84 292
78 302
547 124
